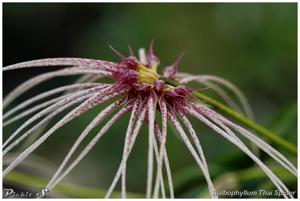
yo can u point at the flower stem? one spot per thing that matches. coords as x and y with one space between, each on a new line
269 135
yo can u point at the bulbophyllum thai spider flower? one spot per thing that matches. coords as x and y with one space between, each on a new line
146 94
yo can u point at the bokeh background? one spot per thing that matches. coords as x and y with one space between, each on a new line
254 45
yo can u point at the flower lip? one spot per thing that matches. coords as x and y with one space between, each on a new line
131 70
147 75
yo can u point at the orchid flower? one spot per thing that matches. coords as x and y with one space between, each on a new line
139 89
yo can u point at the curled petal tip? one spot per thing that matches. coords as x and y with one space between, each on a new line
130 50
178 59
170 71
121 56
152 60
151 49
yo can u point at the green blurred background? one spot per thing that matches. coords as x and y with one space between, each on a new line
253 45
